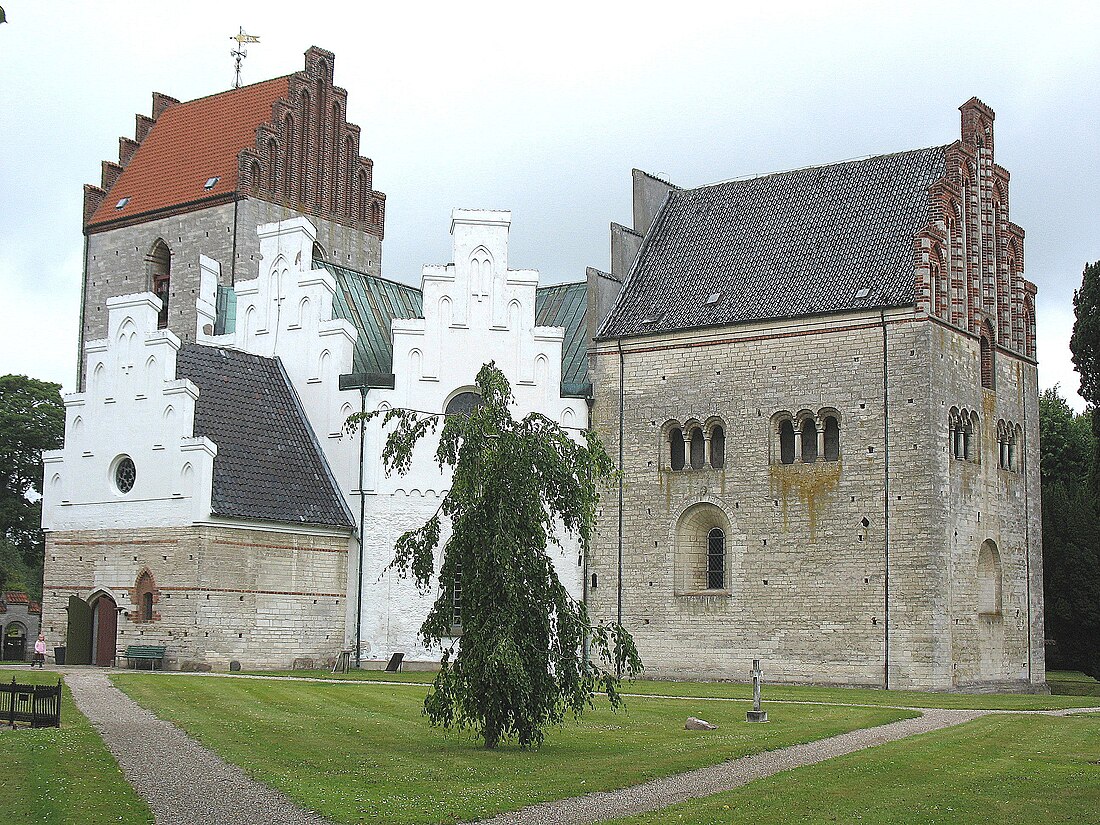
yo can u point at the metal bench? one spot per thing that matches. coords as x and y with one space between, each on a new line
153 654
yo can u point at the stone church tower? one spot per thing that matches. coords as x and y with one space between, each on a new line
199 177
824 389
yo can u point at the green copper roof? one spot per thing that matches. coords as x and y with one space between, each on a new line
371 302
564 305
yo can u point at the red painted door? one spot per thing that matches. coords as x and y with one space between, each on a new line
106 625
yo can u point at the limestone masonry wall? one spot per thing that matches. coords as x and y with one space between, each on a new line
262 597
807 555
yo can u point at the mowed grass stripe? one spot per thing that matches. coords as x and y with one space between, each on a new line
792 693
62 775
1005 769
364 753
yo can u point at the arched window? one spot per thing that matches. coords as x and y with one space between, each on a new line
676 449
717 447
1029 327
303 146
987 355
144 589
317 257
464 403
376 214
832 439
288 165
786 441
158 265
716 559
989 579
704 563
364 193
809 441
272 163
698 450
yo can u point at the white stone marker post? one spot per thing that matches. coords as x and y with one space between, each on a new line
756 715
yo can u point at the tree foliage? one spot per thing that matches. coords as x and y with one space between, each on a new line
529 654
1085 346
32 419
1071 542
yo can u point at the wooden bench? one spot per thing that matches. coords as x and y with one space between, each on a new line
153 654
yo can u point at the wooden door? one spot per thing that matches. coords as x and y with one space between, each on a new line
78 634
106 625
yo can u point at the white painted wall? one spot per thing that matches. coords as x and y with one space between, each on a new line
476 310
134 406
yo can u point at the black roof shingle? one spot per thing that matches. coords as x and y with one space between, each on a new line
810 241
269 465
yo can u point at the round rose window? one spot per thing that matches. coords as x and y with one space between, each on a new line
125 474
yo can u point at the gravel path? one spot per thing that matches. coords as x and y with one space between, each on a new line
183 782
660 793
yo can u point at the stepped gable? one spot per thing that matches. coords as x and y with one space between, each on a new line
269 466
789 244
285 140
371 303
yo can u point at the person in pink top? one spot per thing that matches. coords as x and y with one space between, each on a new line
39 651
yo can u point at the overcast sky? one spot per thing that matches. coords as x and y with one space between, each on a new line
544 108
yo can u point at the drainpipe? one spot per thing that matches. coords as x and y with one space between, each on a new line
362 526
619 584
885 503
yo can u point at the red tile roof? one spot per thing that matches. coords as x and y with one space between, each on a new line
189 144
15 597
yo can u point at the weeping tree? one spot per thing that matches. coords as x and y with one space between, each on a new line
529 653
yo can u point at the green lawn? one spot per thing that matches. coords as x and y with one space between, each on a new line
1073 683
62 775
1003 769
792 693
363 753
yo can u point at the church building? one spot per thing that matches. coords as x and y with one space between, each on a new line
823 387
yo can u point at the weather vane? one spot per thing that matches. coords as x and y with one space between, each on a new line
239 53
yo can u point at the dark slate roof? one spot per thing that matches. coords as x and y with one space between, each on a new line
779 246
371 302
564 305
269 465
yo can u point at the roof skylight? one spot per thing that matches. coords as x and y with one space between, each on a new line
122 202
863 292
211 183
714 298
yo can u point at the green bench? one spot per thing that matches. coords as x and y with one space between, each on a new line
153 654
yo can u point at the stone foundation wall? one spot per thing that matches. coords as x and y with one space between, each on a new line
262 597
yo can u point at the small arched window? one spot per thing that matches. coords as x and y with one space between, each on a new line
786 441
144 590
676 448
717 447
716 559
158 264
809 441
698 449
832 439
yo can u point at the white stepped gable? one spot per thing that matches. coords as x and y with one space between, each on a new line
287 312
133 407
476 310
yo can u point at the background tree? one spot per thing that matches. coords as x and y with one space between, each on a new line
529 653
1085 346
32 419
